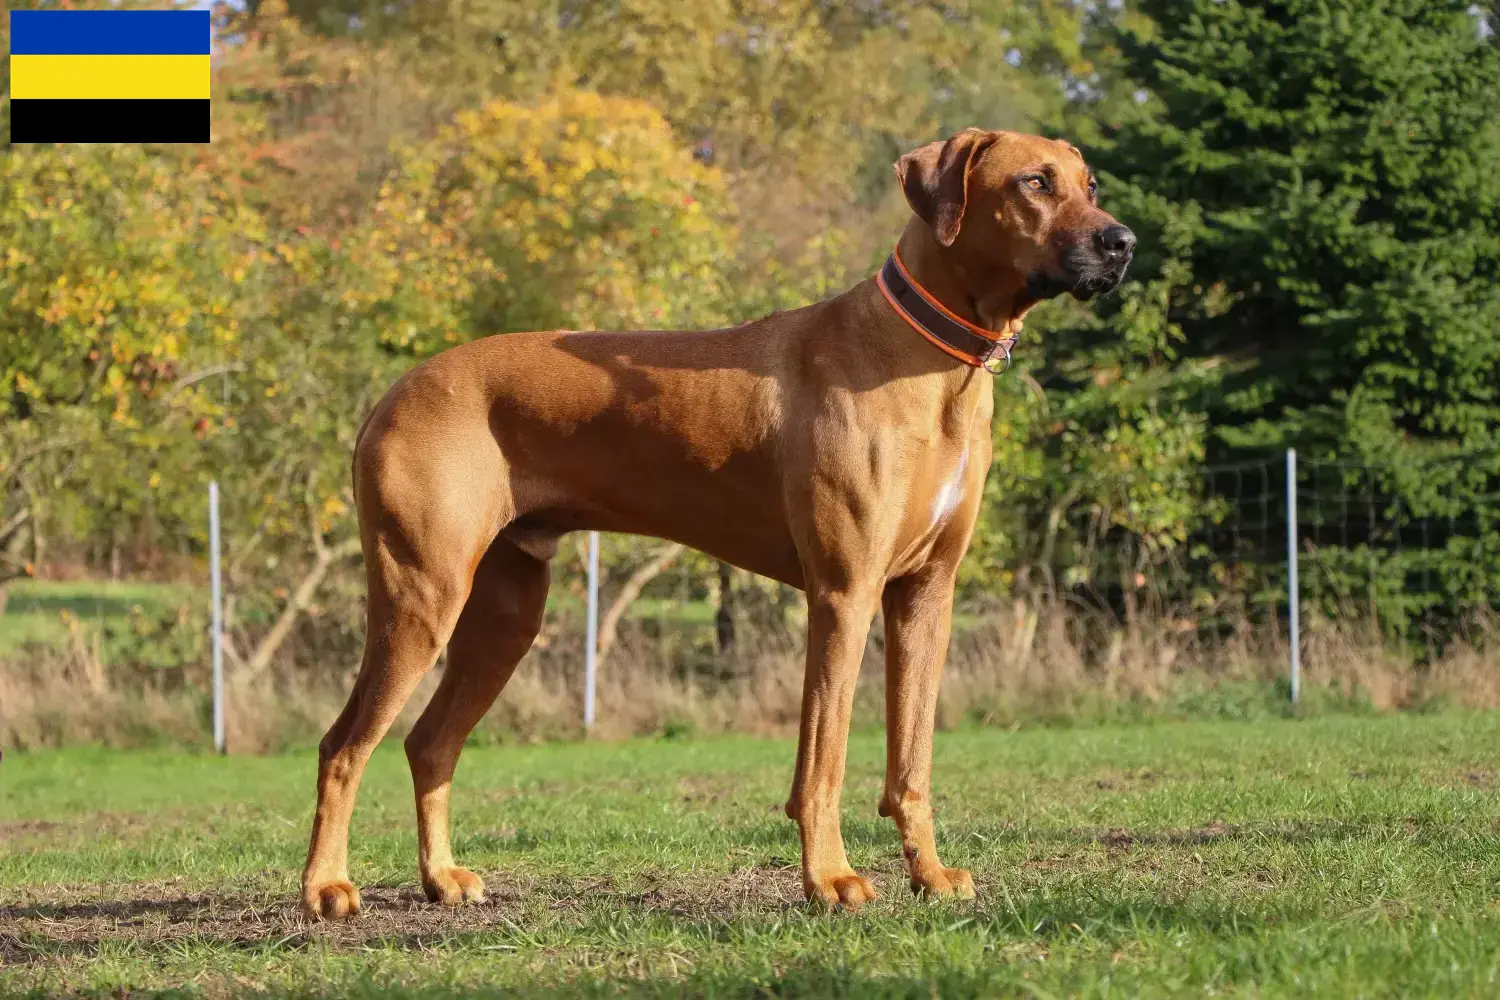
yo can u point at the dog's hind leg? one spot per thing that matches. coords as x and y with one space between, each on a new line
499 622
414 602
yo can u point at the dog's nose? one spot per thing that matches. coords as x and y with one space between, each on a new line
1115 242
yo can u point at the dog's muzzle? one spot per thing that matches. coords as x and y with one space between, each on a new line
1092 266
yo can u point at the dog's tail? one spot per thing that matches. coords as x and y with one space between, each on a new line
359 436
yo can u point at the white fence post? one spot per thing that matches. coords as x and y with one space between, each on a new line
1293 591
218 614
592 652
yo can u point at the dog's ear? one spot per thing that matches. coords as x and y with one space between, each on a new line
935 180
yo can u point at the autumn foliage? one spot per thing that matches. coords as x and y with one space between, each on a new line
387 180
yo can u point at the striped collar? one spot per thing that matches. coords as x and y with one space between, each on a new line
973 345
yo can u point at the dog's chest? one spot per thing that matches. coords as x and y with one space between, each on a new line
950 492
943 468
938 499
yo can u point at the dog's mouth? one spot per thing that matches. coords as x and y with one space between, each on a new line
1090 285
1083 274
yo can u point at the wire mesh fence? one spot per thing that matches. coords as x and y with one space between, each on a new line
1407 551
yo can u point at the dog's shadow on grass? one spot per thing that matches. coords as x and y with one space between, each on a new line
169 909
521 906
398 919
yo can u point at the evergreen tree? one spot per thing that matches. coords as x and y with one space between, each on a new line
1316 189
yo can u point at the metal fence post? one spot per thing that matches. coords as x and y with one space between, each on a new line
218 614
592 651
1293 591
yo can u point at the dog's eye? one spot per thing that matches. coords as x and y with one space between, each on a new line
1037 183
1093 190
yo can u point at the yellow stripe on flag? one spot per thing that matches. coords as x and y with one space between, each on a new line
147 78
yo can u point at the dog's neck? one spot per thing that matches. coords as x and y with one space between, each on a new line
940 271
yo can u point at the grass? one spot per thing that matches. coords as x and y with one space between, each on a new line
34 613
36 607
1333 856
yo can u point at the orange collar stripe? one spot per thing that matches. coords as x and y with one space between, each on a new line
934 341
951 334
931 300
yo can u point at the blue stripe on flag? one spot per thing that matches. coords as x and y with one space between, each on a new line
110 33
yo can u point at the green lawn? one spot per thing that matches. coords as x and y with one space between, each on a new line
36 607
35 610
1339 855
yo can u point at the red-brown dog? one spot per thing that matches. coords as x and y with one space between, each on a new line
841 448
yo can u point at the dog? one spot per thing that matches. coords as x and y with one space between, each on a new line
840 448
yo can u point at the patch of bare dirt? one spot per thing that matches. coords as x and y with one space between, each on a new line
1467 778
90 826
1113 780
23 829
1118 840
707 789
54 923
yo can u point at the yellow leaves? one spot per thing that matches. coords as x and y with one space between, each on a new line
154 481
532 164
579 191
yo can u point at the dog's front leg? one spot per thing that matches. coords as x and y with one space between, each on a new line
838 625
918 613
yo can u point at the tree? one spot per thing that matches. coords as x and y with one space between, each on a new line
1328 166
803 104
579 211
115 304
1097 438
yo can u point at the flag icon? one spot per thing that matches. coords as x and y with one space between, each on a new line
109 75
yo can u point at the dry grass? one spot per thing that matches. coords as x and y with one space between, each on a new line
1020 663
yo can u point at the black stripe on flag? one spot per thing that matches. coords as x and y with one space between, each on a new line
109 121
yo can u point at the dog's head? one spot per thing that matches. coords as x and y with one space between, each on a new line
1020 214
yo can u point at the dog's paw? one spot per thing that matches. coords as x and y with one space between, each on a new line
330 900
944 882
849 891
453 887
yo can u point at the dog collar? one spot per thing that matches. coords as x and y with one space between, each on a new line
973 345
